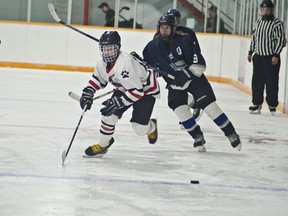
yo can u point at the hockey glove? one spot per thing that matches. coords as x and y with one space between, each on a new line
111 105
87 97
182 78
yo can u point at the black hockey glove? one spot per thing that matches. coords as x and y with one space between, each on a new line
111 105
87 97
182 78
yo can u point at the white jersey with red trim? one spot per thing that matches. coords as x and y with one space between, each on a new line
127 75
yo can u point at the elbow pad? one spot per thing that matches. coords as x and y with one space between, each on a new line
196 69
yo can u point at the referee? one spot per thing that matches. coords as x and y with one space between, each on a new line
268 40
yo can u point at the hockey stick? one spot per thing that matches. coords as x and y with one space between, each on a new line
77 97
141 61
124 8
57 19
65 153
161 71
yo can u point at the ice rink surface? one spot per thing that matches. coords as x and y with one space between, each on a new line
38 119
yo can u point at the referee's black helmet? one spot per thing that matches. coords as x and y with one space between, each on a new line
267 3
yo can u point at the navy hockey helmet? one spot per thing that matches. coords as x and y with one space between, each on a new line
174 12
109 44
267 3
110 38
167 19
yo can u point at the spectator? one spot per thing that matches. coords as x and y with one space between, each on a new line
268 40
212 21
110 14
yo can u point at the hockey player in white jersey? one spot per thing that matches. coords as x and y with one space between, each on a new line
136 87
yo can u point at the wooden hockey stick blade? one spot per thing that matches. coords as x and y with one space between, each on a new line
74 96
53 12
64 155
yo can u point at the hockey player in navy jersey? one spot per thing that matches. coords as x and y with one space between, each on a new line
185 30
135 86
176 54
182 29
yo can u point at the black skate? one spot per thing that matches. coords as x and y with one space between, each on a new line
235 140
199 143
152 137
272 110
255 109
97 150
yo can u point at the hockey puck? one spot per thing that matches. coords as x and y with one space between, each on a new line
194 182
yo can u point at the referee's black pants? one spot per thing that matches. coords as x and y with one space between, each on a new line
265 75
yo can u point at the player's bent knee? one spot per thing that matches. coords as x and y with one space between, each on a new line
183 112
213 110
110 120
206 101
139 129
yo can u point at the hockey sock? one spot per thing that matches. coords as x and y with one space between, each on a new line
107 129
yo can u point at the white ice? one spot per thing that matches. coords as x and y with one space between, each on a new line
38 119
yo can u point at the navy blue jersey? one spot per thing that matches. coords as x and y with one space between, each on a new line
174 57
191 33
185 30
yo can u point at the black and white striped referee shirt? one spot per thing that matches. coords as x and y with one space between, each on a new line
268 37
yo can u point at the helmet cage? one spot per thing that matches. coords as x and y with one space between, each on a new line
109 52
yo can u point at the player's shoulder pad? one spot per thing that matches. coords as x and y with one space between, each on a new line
181 33
152 44
185 30
124 55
